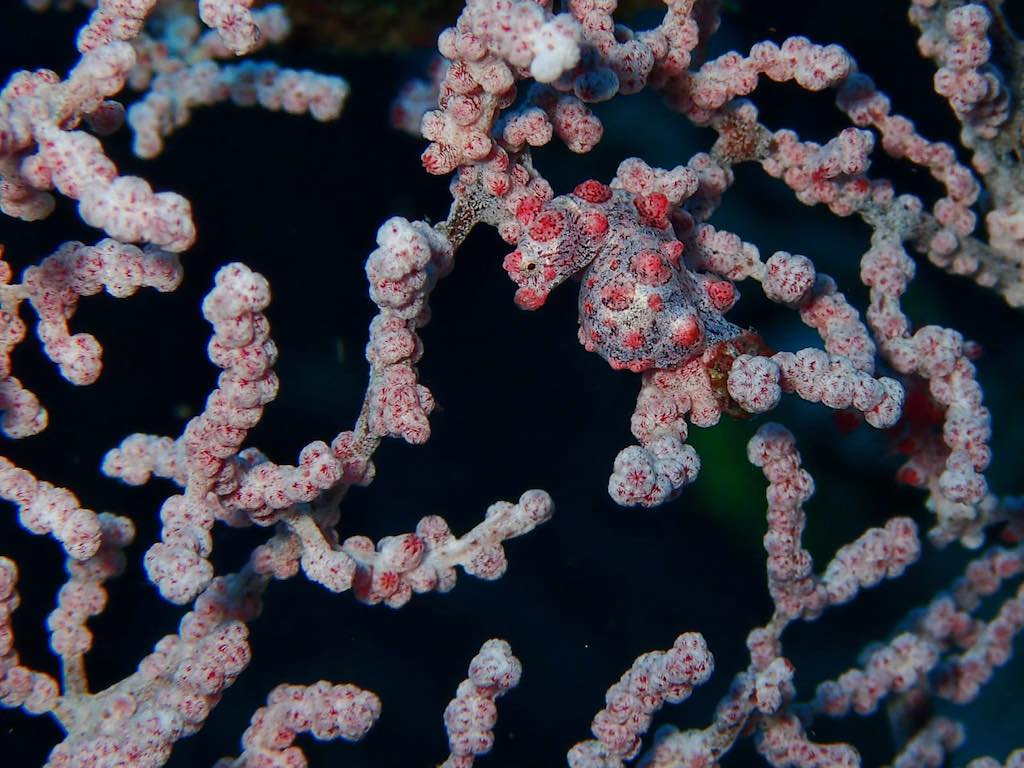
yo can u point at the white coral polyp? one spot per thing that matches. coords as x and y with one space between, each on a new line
556 49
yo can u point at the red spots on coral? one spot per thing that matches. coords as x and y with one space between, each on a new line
527 208
910 475
498 184
618 294
513 263
387 582
673 251
521 176
821 175
687 332
722 294
859 187
438 160
412 549
636 366
550 273
594 224
547 226
655 303
653 209
499 161
476 146
530 298
634 339
650 268
593 191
